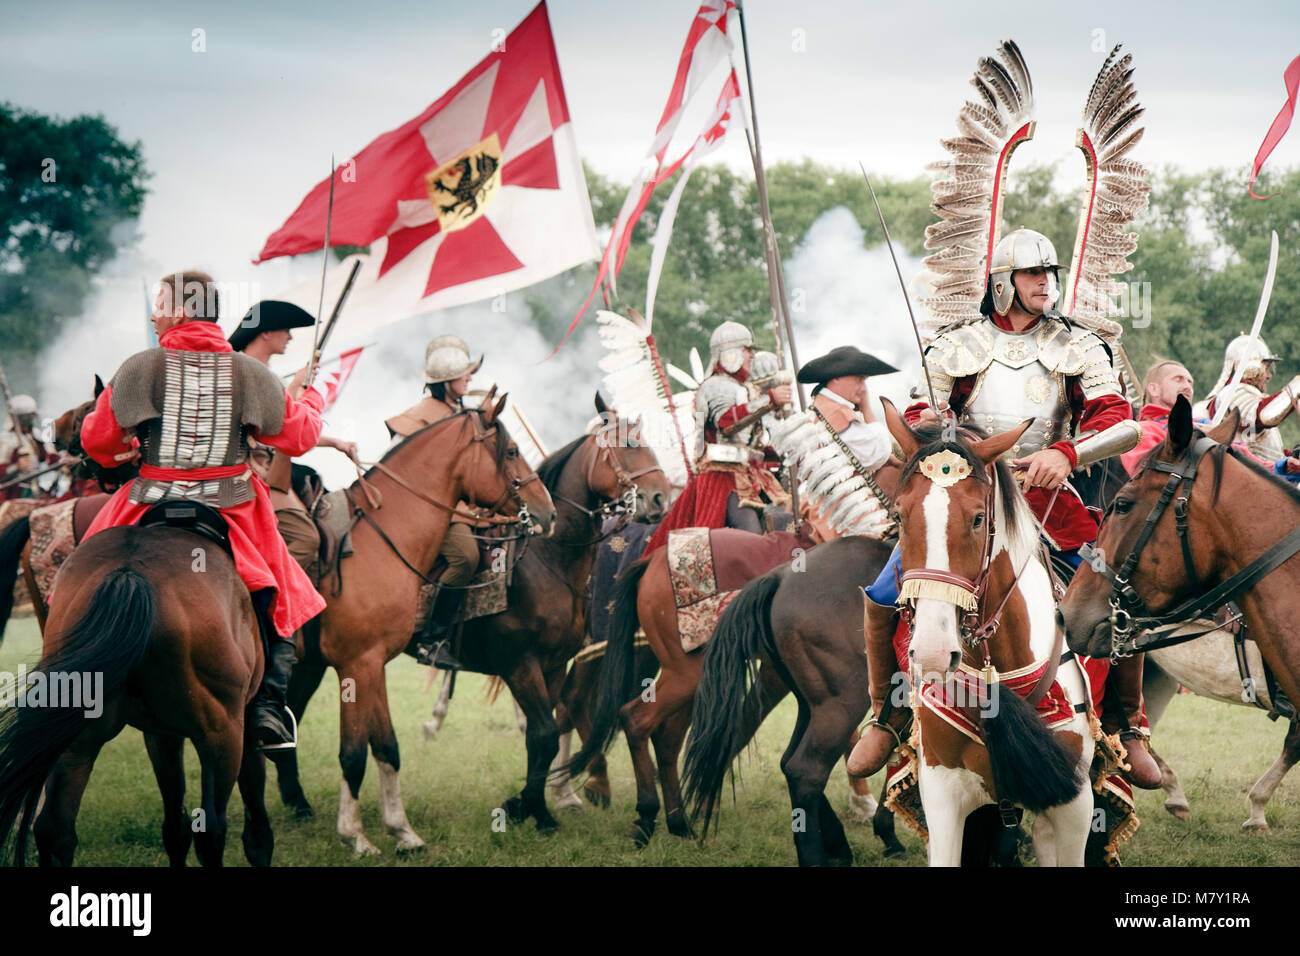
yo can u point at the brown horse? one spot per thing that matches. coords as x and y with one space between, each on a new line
805 623
1227 552
979 603
659 710
401 513
149 635
530 643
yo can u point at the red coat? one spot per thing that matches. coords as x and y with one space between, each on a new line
261 557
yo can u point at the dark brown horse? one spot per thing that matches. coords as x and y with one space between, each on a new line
660 711
401 513
530 644
1187 528
805 623
152 636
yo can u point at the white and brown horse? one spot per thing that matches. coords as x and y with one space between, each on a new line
982 616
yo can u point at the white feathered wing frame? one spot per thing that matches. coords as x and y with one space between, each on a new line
637 385
970 200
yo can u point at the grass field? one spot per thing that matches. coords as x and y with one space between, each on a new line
452 785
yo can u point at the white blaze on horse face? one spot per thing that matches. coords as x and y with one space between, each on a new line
934 625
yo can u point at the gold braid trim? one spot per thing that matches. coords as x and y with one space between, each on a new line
918 588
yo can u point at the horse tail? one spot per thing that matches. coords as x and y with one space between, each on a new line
617 682
1031 766
493 689
718 732
101 649
13 538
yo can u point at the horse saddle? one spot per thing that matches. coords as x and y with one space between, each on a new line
332 513
194 516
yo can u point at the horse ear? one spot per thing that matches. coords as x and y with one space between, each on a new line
1226 430
1180 425
495 412
99 386
995 446
901 431
601 407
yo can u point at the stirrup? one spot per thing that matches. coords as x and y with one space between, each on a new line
877 722
439 655
290 744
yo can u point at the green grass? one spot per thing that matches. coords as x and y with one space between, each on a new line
452 785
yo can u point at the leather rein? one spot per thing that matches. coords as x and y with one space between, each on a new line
978 628
477 516
1129 612
625 505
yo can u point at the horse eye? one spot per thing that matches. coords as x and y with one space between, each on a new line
978 521
1123 506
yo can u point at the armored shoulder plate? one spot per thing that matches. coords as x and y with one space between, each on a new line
962 350
1078 353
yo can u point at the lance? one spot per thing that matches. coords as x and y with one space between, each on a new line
916 330
36 473
1221 406
324 265
781 324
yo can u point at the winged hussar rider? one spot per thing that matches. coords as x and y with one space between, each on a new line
1261 413
1021 359
733 479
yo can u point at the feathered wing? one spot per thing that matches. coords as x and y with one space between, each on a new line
1116 192
636 388
968 202
830 478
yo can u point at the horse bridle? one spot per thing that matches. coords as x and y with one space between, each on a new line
1129 612
625 505
479 516
976 628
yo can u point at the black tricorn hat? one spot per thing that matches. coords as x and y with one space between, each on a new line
269 315
845 360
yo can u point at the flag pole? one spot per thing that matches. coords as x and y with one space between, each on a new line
772 253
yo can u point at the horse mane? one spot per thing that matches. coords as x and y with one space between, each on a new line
1016 526
1217 454
503 434
551 468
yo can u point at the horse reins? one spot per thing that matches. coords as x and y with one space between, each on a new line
976 628
1129 613
625 505
481 516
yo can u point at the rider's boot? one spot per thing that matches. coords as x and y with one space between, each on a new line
1127 675
434 645
273 723
892 721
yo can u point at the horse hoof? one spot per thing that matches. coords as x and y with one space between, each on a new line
407 848
1182 813
547 825
680 828
861 809
514 808
894 851
567 801
431 728
597 798
361 846
302 811
642 831
1253 827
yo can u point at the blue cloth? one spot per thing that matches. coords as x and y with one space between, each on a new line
885 589
1279 469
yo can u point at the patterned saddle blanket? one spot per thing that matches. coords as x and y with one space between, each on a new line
708 566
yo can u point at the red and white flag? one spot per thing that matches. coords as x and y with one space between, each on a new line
708 44
333 373
480 194
1282 123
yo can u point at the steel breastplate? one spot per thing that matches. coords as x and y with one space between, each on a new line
1016 386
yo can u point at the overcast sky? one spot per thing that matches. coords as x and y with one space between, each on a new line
236 135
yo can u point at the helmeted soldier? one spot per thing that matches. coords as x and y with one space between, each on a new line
1022 360
734 479
21 450
448 368
1261 413
187 410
